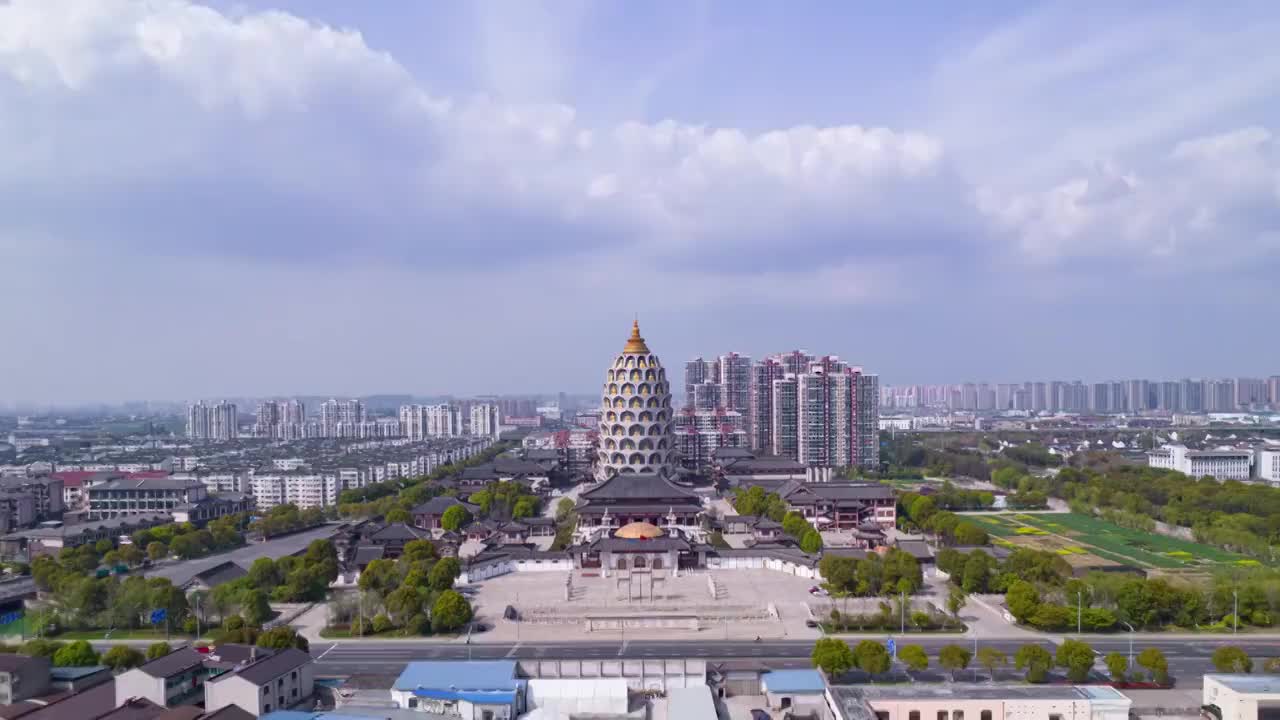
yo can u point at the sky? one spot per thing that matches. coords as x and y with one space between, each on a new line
270 197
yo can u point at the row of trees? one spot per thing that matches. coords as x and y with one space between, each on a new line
755 501
895 573
287 518
802 531
922 512
184 540
80 601
376 499
413 594
835 657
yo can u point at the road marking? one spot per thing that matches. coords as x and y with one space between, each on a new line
326 652
622 650
512 651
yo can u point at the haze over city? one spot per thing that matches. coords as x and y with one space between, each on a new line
348 198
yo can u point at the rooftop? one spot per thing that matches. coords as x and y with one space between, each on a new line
1249 684
267 669
979 691
777 681
448 675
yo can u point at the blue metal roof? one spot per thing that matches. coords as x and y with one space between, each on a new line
482 676
478 697
794 681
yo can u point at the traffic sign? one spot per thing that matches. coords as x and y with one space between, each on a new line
892 646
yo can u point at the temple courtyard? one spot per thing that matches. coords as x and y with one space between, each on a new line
737 604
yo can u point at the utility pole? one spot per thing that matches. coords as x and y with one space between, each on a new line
903 612
197 616
1235 611
1079 610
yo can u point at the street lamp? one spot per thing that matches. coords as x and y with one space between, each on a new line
1235 611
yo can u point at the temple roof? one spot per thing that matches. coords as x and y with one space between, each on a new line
635 343
638 486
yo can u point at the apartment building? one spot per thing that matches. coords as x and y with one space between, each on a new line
135 496
485 420
1220 464
1268 463
218 422
304 488
443 420
699 433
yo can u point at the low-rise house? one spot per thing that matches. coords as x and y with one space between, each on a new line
283 680
22 677
179 678
430 514
50 540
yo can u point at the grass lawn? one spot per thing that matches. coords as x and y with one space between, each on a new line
1110 541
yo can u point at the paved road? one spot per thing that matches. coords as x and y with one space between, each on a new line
1188 659
181 572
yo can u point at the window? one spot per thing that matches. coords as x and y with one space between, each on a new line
295 692
295 674
266 708
882 715
957 715
266 690
1055 716
413 702
942 715
986 715
280 700
913 715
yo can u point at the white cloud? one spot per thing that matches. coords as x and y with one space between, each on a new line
308 118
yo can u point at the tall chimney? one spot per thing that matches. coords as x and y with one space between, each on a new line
253 653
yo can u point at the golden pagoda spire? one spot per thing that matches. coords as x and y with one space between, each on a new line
635 344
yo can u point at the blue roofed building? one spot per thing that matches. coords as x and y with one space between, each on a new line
798 691
477 690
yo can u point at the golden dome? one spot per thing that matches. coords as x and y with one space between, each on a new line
639 531
635 344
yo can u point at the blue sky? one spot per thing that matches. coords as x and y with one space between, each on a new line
320 196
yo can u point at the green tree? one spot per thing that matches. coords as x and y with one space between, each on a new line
525 507
1022 599
122 657
103 546
130 554
381 623
794 524
443 573
954 658
977 572
833 656
263 573
1156 665
158 650
450 612
992 659
398 515
282 638
255 607
871 657
563 507
404 603
1077 658
1231 659
1035 661
322 558
956 600
456 516
76 654
967 533
811 542
157 551
1117 665
914 657
419 551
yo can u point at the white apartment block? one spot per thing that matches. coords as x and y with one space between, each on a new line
443 420
1222 464
304 489
413 422
484 420
1269 464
